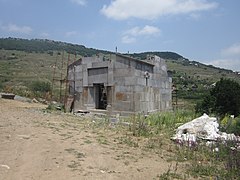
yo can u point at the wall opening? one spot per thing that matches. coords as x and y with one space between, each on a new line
100 96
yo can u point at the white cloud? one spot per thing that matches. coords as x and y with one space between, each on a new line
152 9
128 39
17 29
80 2
195 16
233 64
147 30
45 35
232 51
230 58
71 33
130 35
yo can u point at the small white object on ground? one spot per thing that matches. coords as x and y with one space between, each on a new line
5 166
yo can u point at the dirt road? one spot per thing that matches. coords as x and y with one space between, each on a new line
35 144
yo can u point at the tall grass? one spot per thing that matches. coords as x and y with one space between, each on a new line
162 122
221 160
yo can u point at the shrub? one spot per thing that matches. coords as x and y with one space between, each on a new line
230 125
223 99
40 86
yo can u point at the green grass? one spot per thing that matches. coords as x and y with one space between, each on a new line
87 141
102 140
17 74
159 122
171 173
199 73
199 160
186 74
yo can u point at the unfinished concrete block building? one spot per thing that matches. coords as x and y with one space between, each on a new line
120 84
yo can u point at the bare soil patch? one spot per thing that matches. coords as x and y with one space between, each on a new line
36 144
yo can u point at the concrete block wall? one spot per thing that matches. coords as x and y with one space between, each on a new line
126 84
147 96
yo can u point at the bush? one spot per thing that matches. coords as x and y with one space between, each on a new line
230 125
40 87
223 99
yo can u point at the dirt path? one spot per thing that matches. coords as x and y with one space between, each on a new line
38 145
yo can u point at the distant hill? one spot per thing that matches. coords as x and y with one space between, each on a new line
164 55
23 61
45 45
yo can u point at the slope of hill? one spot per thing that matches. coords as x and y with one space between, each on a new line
164 55
24 61
45 45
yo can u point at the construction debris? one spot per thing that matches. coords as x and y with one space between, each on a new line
203 127
7 95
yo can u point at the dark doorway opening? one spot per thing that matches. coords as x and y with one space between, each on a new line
100 96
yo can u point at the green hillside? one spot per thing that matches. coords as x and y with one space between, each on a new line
45 45
24 61
194 79
164 55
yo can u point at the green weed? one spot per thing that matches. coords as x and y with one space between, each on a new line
87 141
170 174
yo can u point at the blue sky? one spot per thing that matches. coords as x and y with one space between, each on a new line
207 31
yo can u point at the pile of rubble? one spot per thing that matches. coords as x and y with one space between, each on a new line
202 128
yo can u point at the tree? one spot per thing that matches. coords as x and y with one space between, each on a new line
223 99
